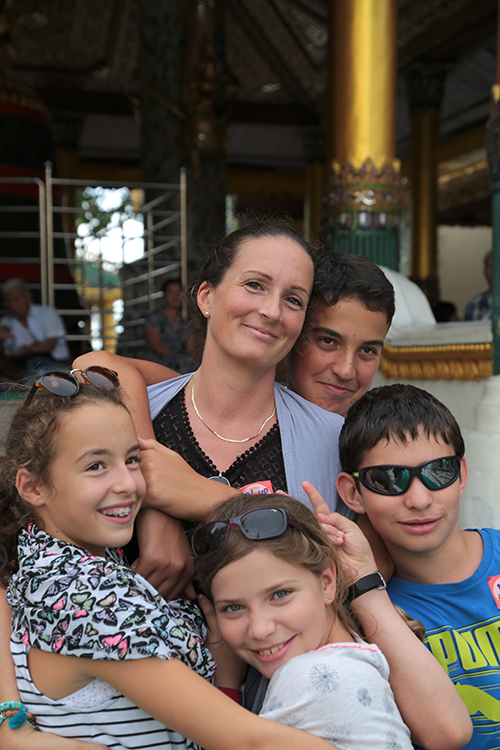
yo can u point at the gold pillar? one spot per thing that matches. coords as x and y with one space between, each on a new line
424 137
425 84
365 190
364 80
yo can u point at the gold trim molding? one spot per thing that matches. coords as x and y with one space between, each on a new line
447 362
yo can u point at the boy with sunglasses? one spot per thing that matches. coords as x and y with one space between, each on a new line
402 455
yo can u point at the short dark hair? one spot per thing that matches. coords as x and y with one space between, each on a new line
168 282
398 412
340 276
221 258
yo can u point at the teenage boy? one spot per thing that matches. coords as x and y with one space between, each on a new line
402 456
337 355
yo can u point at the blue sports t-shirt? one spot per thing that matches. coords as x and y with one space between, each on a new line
462 623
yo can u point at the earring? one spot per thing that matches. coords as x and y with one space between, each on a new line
327 597
206 313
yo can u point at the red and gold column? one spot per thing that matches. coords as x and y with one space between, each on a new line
364 193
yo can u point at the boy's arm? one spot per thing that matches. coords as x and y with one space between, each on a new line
426 697
25 737
134 376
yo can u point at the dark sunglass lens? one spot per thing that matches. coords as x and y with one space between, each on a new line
209 538
264 523
387 480
440 473
101 377
59 384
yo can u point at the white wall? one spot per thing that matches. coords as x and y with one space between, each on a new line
460 396
460 262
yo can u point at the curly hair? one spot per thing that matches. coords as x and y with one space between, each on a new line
31 444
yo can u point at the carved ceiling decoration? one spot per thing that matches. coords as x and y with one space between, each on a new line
81 57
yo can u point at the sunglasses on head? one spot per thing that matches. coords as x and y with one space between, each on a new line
256 524
61 383
395 480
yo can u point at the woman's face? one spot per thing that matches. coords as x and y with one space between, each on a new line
172 296
257 311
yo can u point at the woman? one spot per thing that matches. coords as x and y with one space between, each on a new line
167 334
230 420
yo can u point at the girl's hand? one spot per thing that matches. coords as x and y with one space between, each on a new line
356 551
231 670
25 738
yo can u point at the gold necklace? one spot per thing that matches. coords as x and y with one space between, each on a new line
227 440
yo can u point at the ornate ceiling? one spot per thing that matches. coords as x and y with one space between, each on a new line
82 58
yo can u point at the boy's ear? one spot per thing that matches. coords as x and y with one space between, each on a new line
346 487
464 476
329 580
30 488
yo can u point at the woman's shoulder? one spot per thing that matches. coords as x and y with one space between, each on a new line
298 405
160 394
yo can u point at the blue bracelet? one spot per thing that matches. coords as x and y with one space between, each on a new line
8 711
11 705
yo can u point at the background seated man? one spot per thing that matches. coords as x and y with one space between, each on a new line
479 307
32 337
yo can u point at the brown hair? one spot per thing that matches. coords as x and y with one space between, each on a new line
339 276
31 444
221 258
312 550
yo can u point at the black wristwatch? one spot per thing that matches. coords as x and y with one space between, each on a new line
367 583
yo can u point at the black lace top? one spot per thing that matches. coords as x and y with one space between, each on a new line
262 461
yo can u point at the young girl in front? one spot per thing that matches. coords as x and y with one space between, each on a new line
281 603
99 655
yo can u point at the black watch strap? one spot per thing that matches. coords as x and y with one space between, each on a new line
367 583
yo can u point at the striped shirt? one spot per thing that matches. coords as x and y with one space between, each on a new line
96 713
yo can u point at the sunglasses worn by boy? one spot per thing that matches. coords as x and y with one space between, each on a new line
395 480
256 524
61 383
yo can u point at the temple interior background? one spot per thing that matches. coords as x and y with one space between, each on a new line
243 89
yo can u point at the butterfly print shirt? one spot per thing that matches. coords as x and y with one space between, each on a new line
67 601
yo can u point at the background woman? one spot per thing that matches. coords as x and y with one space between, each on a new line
167 333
